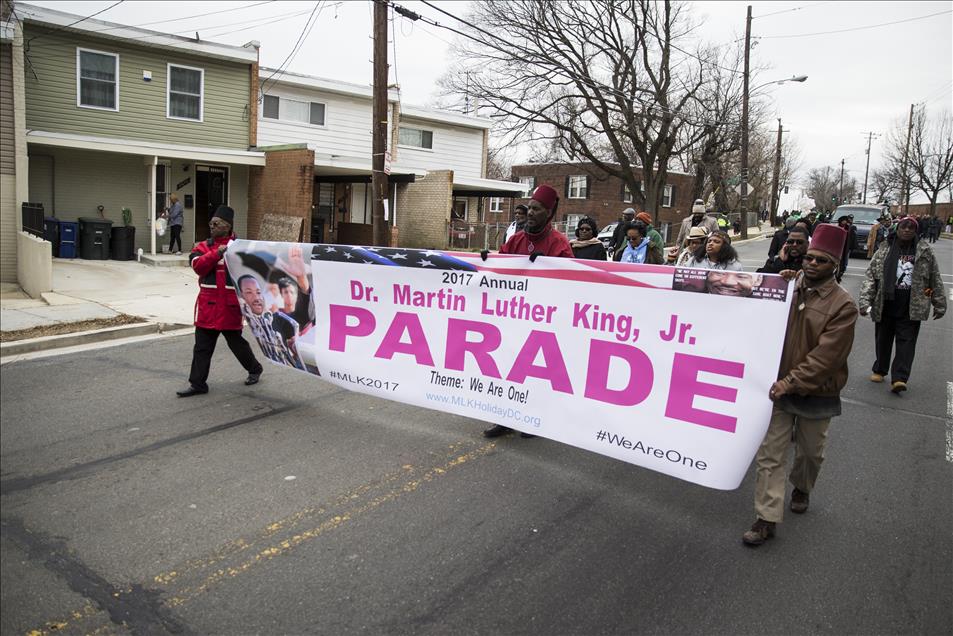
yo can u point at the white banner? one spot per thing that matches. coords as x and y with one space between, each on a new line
661 367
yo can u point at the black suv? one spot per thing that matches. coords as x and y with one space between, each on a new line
864 218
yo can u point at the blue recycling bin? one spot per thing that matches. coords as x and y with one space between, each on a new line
51 233
69 231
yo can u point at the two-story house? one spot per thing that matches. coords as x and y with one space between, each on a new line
316 136
118 116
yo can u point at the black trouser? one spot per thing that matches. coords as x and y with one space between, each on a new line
205 340
902 330
176 237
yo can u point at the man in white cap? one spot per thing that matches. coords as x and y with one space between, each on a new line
698 218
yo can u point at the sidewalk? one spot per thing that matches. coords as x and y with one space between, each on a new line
88 290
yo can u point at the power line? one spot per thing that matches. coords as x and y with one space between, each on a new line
312 20
807 6
188 17
92 15
584 80
871 26
255 23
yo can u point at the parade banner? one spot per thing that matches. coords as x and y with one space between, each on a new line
663 367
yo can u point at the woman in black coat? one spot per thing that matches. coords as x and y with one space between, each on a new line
586 245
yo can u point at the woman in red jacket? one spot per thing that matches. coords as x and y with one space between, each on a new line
216 309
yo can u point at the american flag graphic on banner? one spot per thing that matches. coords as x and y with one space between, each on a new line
656 276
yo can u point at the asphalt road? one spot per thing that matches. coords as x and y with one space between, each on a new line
297 507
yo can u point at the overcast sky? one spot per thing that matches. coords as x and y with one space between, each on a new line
861 80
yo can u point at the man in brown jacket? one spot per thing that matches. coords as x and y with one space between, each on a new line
813 371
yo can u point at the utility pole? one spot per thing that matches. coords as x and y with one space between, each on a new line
744 131
777 175
905 187
870 137
379 180
840 188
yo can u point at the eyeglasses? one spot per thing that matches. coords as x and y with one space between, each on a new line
584 228
213 223
795 242
820 260
635 239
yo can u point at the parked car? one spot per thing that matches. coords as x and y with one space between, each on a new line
864 218
605 235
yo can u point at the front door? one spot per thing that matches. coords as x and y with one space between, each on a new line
211 191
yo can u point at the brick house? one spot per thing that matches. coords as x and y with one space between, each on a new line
585 190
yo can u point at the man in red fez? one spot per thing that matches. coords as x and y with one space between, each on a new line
813 372
538 237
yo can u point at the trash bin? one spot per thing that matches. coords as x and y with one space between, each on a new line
51 233
123 243
94 238
69 231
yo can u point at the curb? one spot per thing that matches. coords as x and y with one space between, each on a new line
46 343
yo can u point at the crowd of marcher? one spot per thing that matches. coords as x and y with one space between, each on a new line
901 284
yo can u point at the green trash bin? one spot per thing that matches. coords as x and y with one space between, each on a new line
94 238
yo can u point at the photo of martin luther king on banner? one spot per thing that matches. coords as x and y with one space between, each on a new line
274 286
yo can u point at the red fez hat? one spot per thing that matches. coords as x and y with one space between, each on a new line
546 195
644 217
829 239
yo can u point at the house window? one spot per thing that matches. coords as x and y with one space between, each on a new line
415 137
626 194
496 204
97 79
529 184
185 92
293 110
578 187
572 220
667 196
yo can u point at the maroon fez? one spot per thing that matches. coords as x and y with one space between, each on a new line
546 195
829 239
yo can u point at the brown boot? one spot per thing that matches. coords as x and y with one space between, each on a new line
760 532
799 501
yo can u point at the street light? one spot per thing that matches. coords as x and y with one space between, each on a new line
744 132
744 123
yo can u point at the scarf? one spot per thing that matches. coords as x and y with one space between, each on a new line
890 266
576 243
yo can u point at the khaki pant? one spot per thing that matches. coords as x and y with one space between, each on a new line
810 439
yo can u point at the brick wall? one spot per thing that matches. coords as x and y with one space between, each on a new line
285 185
604 201
423 210
943 210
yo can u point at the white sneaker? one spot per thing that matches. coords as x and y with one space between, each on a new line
178 253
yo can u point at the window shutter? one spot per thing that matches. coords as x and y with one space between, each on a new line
671 201
567 186
588 185
622 192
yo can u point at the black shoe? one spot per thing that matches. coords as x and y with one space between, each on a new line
527 435
252 378
496 430
189 392
760 532
799 501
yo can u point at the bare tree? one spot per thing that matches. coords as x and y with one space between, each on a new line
885 183
931 154
824 186
930 157
605 81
